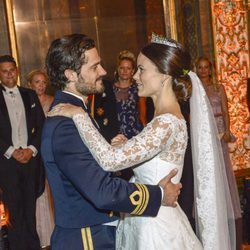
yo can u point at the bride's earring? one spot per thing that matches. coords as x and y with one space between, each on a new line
164 81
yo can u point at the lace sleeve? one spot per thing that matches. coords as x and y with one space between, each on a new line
138 149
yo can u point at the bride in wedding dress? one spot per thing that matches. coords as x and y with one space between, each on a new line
164 75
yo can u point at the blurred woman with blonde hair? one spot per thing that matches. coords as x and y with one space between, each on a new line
38 81
128 104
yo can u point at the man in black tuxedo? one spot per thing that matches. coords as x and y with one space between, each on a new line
22 118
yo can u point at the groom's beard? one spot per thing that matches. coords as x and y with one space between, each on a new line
87 88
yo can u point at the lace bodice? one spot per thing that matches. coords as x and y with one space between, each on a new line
165 135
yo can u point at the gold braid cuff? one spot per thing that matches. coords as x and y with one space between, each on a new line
139 198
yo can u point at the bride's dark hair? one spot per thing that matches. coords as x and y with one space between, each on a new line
174 61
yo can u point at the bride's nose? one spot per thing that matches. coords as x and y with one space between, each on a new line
135 76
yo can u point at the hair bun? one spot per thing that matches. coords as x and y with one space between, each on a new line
126 54
182 87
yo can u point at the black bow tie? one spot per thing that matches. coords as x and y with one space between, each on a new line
10 92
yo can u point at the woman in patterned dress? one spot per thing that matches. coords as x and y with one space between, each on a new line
127 99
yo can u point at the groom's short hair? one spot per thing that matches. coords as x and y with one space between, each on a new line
64 53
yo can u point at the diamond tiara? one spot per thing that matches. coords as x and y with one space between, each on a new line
162 40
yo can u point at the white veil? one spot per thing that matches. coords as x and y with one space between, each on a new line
215 223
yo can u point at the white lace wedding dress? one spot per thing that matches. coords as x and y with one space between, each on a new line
158 149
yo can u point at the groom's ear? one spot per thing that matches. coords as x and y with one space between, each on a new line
70 74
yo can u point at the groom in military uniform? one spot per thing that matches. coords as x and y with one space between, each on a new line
85 196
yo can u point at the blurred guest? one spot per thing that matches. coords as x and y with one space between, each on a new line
218 100
126 94
38 80
103 110
22 118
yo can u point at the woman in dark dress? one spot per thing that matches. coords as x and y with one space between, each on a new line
127 100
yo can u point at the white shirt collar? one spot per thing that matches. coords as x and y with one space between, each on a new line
13 90
77 96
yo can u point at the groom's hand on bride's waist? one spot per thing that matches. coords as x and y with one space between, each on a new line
171 191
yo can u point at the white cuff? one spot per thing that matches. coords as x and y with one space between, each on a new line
9 152
33 149
162 193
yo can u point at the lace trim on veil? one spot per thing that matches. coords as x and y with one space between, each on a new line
214 211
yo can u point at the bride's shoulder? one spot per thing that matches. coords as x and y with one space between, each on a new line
167 121
168 118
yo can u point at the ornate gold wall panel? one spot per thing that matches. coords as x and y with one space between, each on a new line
232 65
